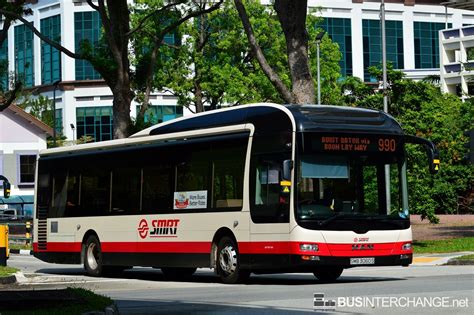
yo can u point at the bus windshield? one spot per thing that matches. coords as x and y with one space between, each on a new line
348 186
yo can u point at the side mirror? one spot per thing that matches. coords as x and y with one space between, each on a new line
287 167
431 151
6 189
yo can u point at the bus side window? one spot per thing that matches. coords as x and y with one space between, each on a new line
59 194
228 162
157 188
267 205
126 184
95 192
72 201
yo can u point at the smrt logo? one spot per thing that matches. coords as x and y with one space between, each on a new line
143 228
159 228
361 239
164 228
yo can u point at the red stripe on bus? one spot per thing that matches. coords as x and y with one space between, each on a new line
132 247
337 250
157 247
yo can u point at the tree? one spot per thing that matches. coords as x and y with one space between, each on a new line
424 111
114 59
292 17
7 96
169 21
214 66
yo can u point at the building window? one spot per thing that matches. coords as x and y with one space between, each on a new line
27 165
87 28
160 113
50 57
427 44
24 56
339 30
95 122
372 41
4 66
59 121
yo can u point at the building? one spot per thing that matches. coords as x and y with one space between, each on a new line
412 28
457 61
22 136
84 102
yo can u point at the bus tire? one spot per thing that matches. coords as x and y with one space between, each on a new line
328 274
228 262
93 256
177 273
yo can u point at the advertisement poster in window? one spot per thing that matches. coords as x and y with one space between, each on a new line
190 200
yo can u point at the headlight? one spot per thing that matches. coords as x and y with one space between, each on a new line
309 247
406 246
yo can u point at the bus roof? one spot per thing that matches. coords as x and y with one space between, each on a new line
307 118
296 118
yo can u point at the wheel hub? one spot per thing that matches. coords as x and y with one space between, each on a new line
92 256
228 259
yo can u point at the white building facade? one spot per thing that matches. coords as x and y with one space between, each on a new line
22 136
457 61
84 102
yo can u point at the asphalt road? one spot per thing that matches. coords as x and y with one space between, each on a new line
386 290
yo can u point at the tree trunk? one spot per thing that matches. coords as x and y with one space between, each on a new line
292 16
258 54
121 113
198 96
116 21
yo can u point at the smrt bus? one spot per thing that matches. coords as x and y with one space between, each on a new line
259 188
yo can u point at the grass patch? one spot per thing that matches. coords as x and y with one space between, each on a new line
6 271
444 246
20 246
69 301
465 257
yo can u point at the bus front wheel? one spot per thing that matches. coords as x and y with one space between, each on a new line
228 262
93 256
328 274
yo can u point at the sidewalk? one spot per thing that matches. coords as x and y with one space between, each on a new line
436 259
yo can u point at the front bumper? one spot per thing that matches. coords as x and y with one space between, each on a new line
392 260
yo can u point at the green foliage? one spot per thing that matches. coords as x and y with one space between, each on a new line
139 124
216 59
330 56
424 111
214 62
444 246
7 271
41 108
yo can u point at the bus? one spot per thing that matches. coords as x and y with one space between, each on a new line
258 188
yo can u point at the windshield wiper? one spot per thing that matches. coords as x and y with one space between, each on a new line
334 217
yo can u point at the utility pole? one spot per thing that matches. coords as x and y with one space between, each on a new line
319 38
385 98
55 84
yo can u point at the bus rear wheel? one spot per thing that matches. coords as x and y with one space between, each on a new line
328 274
228 262
93 256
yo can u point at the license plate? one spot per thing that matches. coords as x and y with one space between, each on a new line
363 261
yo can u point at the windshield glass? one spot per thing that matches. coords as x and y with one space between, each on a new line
347 186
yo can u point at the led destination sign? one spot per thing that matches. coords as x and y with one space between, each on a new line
356 143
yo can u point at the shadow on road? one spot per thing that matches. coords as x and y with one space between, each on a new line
182 307
149 274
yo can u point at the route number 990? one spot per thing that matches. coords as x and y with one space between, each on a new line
387 145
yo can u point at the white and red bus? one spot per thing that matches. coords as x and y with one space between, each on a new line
260 188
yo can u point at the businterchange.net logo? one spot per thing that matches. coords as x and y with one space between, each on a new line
330 304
